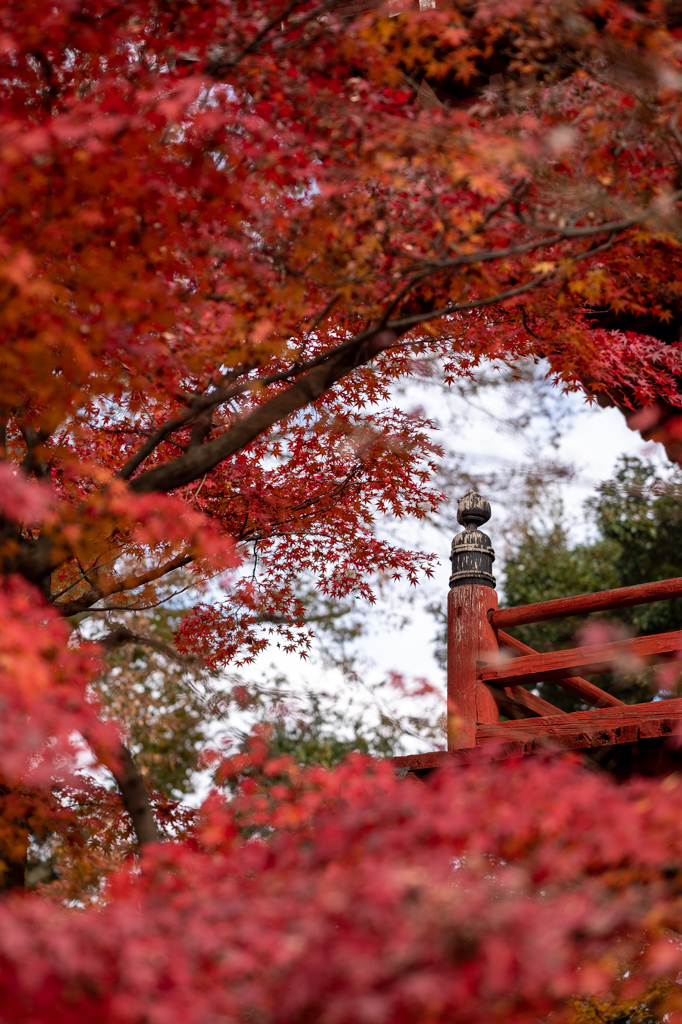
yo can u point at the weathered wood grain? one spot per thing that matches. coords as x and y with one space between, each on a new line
580 730
594 658
349 8
421 761
597 727
470 639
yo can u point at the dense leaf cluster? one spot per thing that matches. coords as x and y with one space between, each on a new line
227 231
373 899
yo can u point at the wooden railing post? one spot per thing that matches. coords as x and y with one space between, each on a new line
471 637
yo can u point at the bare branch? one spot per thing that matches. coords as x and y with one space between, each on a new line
221 62
201 429
33 439
548 278
122 635
85 602
152 442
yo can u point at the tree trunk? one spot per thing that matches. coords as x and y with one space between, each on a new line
135 798
14 839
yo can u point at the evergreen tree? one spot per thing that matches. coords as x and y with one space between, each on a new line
636 517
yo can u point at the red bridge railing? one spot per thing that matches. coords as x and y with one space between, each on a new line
488 669
583 604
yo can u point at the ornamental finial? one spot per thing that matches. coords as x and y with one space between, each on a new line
472 551
472 509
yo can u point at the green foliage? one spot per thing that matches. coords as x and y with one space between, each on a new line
543 565
160 704
315 729
640 513
168 703
637 517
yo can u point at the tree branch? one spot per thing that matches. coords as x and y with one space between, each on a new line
198 461
135 798
346 358
201 404
122 635
221 62
82 604
39 557
404 323
33 439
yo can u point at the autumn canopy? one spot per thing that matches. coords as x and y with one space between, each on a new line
227 229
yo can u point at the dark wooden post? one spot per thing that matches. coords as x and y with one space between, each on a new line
471 636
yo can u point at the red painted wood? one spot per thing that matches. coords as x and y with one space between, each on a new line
511 698
470 639
349 8
420 761
583 604
580 730
595 658
574 684
597 727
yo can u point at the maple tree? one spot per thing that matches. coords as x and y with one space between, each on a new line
227 231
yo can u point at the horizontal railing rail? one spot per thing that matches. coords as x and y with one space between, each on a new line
536 668
583 604
626 724
576 685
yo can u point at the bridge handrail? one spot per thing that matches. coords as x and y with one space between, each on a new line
583 604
